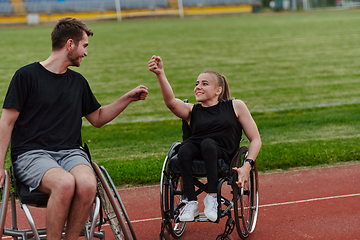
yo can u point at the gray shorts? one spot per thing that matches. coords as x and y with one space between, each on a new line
31 166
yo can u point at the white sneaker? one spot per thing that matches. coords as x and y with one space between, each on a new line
189 212
211 205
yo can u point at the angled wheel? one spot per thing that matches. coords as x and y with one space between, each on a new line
118 199
246 201
4 201
171 196
111 207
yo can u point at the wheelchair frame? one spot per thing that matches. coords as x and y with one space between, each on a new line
106 202
244 200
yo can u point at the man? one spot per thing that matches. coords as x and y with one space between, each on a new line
42 117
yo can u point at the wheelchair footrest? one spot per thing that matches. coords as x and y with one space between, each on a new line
201 218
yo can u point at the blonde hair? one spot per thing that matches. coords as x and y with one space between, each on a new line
222 82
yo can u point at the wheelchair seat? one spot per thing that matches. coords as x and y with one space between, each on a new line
22 191
34 198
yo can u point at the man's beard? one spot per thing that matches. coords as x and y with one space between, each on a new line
74 59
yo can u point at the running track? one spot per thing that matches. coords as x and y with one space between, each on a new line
321 203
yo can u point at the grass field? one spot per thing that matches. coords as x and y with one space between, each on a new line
298 73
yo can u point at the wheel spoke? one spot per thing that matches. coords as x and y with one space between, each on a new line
171 191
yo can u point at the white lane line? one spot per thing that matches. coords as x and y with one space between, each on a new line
310 200
146 220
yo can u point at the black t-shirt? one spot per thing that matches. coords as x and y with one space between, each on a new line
51 108
218 122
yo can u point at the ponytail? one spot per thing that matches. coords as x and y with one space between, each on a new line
225 94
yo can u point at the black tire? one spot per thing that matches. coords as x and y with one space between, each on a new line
219 237
171 196
117 197
246 201
111 207
4 201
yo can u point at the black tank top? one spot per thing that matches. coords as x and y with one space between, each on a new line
218 122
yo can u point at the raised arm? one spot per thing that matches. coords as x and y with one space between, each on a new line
177 106
252 133
7 121
107 113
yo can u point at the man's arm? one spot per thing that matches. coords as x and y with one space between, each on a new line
107 113
7 121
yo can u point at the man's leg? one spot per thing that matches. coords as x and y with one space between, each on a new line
85 190
60 184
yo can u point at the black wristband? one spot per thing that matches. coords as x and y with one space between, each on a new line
252 162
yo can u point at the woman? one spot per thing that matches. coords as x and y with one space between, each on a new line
216 125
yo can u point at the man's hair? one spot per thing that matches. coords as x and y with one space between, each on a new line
68 28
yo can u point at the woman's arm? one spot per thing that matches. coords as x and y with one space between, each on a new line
178 107
252 133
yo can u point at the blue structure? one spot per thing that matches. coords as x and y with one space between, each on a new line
89 5
6 6
56 6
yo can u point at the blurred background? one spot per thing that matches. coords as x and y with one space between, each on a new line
36 11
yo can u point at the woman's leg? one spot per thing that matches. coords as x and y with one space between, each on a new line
187 153
211 153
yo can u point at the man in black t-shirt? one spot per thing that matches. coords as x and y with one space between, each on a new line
42 118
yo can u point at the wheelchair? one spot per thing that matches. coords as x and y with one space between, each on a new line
107 209
244 202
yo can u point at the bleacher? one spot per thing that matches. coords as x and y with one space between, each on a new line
133 4
89 5
23 7
6 7
206 3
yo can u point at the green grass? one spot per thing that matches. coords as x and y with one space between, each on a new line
291 138
298 73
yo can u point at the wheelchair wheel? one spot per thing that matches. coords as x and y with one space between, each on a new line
171 196
111 208
117 197
4 191
246 203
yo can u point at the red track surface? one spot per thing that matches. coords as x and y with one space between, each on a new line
319 203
